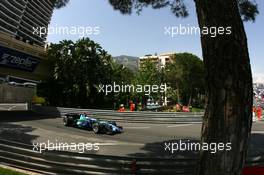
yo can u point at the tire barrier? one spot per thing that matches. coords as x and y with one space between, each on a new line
140 117
22 156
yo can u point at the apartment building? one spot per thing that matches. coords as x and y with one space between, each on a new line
22 52
19 18
159 60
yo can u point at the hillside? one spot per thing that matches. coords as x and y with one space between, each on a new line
128 61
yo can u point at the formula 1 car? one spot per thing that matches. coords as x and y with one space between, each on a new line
84 121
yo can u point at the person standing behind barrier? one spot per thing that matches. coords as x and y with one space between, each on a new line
259 112
132 106
254 118
178 107
122 108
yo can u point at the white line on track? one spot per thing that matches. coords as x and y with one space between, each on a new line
76 145
174 126
121 144
107 144
257 132
137 127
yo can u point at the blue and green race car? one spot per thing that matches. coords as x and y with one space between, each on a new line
85 121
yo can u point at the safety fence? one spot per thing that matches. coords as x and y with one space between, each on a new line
59 162
136 116
23 156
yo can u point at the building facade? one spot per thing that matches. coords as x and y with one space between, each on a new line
22 52
159 60
21 18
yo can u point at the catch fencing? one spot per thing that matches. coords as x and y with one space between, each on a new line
135 116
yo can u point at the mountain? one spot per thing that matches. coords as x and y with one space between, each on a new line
128 61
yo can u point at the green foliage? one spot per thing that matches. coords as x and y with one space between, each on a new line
248 9
60 3
148 74
120 75
197 109
9 172
185 76
38 100
77 69
177 7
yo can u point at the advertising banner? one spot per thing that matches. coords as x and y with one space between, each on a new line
17 60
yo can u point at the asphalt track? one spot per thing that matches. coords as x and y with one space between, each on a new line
138 139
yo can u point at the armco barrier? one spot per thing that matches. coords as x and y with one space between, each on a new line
58 162
148 117
14 106
22 156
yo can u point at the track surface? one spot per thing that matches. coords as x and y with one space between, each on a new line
138 139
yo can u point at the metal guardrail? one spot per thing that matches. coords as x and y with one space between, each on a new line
22 156
154 117
14 106
143 117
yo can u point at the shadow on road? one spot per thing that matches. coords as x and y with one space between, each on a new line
16 116
256 146
18 133
167 149
158 149
164 160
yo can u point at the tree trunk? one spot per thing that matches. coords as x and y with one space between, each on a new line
178 95
190 99
228 88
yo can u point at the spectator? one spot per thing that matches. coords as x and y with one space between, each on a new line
178 107
132 106
259 112
122 108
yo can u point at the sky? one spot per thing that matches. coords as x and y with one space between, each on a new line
138 35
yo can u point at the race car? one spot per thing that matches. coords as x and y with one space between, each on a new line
84 121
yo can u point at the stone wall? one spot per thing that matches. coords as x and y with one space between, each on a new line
15 94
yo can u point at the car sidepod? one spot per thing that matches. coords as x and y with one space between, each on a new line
115 129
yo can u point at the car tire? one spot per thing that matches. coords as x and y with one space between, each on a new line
109 131
96 128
